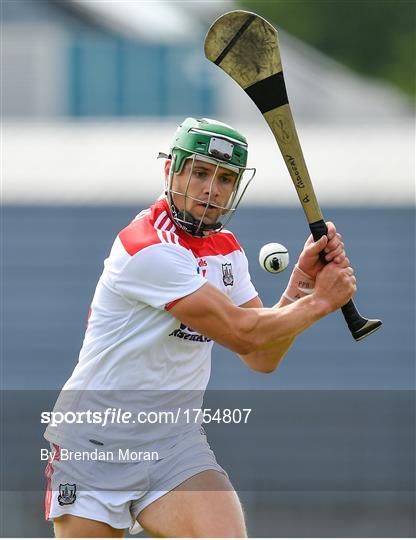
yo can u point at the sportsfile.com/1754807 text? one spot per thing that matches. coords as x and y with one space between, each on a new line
112 415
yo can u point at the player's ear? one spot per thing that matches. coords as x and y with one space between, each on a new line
168 164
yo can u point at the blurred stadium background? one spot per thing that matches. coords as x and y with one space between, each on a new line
91 92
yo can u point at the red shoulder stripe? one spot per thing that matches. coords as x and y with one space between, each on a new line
150 227
138 235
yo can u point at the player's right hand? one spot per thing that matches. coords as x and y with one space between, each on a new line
335 285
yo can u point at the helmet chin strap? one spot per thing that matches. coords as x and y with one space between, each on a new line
191 225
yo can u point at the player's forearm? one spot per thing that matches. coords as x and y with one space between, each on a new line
246 331
272 331
267 360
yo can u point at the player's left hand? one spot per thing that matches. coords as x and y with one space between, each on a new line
331 244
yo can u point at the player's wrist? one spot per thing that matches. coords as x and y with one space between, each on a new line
305 271
317 306
310 268
321 306
300 285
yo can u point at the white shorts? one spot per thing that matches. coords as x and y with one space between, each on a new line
134 485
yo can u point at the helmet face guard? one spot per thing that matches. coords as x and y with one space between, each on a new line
219 145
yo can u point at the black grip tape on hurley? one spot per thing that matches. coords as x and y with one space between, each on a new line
355 320
359 326
319 229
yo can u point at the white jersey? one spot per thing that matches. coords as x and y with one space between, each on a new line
135 353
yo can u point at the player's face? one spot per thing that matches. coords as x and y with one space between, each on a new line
197 181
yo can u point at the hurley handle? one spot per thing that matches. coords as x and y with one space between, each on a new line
359 326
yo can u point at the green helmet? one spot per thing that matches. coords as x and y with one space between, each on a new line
219 144
209 138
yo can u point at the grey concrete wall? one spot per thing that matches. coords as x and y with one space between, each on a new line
115 163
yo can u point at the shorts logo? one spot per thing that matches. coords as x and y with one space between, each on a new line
67 494
227 274
184 332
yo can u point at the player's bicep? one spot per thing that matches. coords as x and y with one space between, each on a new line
209 311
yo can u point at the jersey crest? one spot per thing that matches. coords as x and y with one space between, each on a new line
227 274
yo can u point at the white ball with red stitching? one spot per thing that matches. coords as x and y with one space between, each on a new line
274 258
